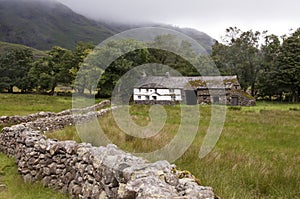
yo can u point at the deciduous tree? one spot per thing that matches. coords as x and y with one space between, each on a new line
289 65
14 68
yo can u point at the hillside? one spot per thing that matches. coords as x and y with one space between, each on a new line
202 38
4 47
43 24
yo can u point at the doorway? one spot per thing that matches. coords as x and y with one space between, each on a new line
191 97
234 101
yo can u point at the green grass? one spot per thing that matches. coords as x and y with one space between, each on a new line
13 186
11 183
23 104
261 106
257 155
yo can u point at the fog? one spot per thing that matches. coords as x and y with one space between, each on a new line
210 16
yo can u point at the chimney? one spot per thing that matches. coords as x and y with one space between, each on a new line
144 74
167 75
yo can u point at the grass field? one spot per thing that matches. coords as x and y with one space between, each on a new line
257 155
11 183
23 104
13 186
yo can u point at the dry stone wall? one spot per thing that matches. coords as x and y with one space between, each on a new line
84 171
11 120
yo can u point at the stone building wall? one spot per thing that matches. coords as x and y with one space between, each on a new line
244 99
85 171
152 102
225 97
209 97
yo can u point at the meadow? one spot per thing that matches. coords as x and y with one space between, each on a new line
11 183
257 155
23 104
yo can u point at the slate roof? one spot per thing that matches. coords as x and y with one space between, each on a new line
198 82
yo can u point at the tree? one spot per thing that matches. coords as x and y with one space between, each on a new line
79 54
240 55
163 50
288 73
130 53
268 82
14 68
224 58
52 70
126 53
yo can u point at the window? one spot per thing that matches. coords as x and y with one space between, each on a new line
173 97
147 90
140 90
154 97
147 97
171 90
139 97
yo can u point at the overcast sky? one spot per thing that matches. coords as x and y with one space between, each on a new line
209 16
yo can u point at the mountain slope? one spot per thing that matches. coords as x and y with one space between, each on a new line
4 47
202 38
42 24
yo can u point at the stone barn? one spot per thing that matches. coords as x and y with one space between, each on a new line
169 90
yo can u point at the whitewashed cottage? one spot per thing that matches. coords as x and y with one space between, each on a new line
191 90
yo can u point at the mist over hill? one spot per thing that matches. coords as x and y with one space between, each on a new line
42 24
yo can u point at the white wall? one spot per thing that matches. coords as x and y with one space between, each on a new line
160 94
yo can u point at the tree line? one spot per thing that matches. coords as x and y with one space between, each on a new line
19 68
78 68
268 66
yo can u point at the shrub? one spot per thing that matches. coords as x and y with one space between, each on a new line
294 109
235 108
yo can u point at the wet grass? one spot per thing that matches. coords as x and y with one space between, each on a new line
11 182
257 155
13 186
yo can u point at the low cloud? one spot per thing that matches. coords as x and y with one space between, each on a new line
207 14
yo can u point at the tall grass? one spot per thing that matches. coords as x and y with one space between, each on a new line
11 183
257 155
13 186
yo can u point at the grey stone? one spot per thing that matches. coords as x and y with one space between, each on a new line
46 171
84 171
27 178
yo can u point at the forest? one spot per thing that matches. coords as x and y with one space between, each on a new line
267 65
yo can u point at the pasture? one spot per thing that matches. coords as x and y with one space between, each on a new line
257 155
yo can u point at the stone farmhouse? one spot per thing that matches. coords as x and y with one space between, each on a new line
169 90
